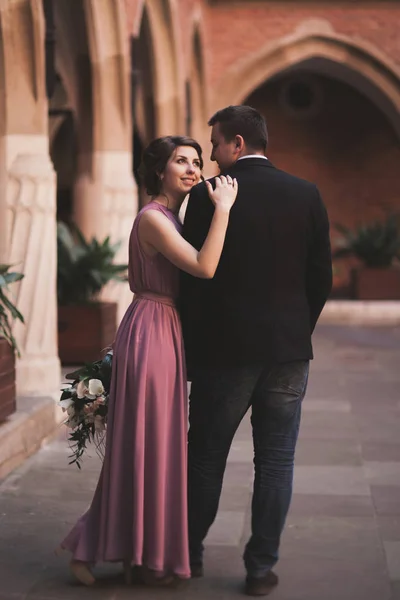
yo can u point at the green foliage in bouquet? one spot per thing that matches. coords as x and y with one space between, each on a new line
84 268
86 403
8 310
376 244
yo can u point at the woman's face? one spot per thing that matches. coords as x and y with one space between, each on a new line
182 171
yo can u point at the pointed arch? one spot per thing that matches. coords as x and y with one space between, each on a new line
168 80
376 75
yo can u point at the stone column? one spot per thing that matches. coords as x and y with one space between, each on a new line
3 213
31 224
106 203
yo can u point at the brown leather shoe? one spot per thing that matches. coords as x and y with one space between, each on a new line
197 570
261 586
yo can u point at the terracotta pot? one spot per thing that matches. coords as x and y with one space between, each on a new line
7 380
376 284
84 332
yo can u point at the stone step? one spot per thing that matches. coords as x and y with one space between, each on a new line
35 422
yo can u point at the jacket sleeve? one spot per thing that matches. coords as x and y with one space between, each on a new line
198 217
319 261
191 305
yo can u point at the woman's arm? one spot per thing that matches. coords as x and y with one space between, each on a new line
158 232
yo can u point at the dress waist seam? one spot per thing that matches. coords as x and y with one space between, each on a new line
154 297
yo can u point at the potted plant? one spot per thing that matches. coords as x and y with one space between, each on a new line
8 345
86 325
377 247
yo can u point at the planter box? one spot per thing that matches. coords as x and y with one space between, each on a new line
376 284
84 332
7 380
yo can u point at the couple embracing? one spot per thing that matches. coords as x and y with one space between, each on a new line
228 300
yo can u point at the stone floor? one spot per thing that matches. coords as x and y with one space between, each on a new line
342 539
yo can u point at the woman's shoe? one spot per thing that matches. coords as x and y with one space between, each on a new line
81 572
59 551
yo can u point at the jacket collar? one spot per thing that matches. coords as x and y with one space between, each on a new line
244 163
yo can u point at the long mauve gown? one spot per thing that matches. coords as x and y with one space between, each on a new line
139 509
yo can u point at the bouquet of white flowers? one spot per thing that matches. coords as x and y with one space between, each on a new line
86 403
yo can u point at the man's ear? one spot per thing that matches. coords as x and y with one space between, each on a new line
239 143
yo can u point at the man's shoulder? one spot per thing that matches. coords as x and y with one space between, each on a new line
199 205
279 176
294 180
200 189
199 194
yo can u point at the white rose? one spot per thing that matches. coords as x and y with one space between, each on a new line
65 404
81 390
95 387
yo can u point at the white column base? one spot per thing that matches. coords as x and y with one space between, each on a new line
31 225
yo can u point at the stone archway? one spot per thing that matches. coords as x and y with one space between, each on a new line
380 77
143 95
92 58
157 77
167 74
143 70
198 91
347 140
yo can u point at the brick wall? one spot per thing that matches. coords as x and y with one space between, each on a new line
236 30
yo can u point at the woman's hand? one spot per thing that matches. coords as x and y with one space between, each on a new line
224 195
158 232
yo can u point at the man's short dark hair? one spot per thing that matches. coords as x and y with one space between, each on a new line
245 121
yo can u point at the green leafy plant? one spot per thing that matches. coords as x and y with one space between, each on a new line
377 244
8 310
84 268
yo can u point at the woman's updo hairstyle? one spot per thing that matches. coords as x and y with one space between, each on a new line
156 156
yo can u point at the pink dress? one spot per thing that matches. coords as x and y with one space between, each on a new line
139 510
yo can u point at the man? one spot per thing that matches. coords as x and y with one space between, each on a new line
248 333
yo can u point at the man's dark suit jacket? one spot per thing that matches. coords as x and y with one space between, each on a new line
274 276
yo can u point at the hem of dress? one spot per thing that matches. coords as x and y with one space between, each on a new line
157 569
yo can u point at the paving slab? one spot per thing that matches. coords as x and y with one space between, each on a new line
392 550
395 590
386 499
342 537
327 452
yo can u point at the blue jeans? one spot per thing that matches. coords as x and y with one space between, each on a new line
219 400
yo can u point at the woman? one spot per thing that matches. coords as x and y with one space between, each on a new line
139 512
